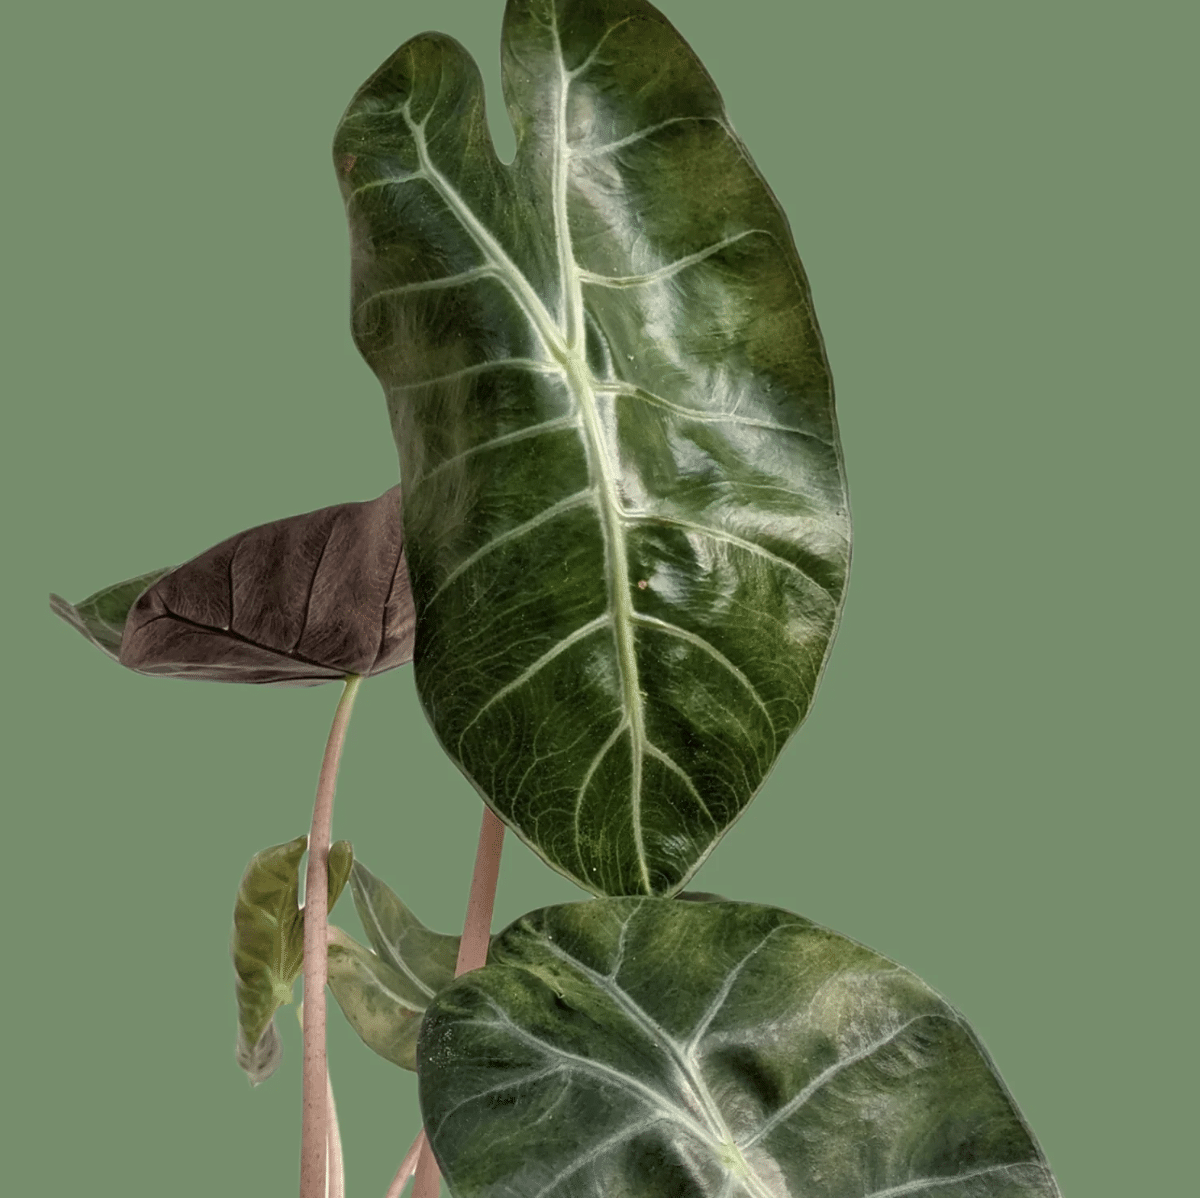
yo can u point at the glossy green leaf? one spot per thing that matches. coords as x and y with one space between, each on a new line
101 617
625 509
637 1048
384 993
268 945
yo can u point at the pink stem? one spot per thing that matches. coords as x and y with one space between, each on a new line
477 931
315 1117
336 1181
429 1181
472 954
407 1165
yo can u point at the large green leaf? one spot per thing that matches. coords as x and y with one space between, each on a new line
639 1048
625 509
383 994
268 945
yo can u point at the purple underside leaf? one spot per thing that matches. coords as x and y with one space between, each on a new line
296 602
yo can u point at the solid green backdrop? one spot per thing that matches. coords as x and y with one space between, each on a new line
991 788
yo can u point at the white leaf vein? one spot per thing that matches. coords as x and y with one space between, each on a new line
444 283
640 135
478 368
719 534
559 424
668 271
929 1183
706 646
827 1075
393 956
529 672
632 391
579 499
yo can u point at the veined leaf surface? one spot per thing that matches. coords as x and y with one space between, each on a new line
424 957
101 617
641 1048
384 993
625 509
296 602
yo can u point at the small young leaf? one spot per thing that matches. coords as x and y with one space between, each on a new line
709 1050
340 864
261 1059
381 1005
425 959
101 617
296 602
268 945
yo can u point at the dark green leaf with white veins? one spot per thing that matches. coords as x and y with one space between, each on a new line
625 510
268 945
383 994
639 1048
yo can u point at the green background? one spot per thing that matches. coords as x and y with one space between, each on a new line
994 786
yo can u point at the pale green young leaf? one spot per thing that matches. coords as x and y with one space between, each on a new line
268 945
382 1005
425 959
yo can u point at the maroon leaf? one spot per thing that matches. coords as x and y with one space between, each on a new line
296 602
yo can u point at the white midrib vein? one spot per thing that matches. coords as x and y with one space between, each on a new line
564 339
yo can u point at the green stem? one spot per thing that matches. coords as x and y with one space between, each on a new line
315 1119
472 954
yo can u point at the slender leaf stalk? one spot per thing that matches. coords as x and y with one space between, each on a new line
472 954
316 1106
429 1181
335 1176
407 1167
477 931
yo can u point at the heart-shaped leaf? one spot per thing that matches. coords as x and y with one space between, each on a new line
625 509
101 617
639 1048
268 945
296 602
384 996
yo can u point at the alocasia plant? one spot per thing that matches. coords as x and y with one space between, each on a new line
627 531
